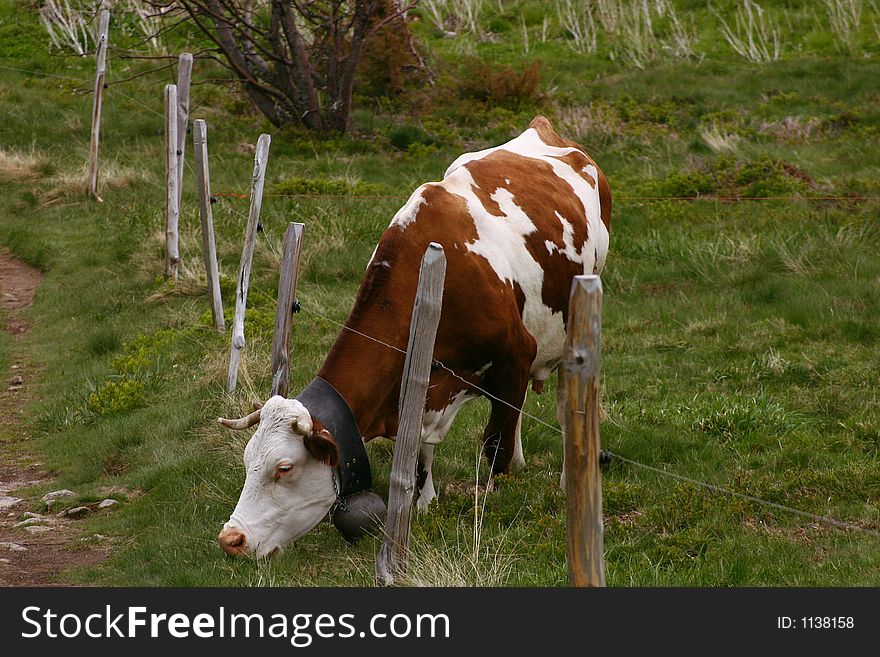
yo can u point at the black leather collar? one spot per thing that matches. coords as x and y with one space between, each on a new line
326 405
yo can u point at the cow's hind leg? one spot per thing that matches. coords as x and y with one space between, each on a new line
424 477
508 387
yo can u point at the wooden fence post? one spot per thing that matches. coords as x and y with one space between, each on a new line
286 295
393 555
101 56
583 482
172 210
247 255
209 247
184 75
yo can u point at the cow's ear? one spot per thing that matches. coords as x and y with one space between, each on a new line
321 444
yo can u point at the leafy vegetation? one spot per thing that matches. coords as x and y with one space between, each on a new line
740 339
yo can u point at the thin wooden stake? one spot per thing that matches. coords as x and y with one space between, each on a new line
393 555
172 209
101 57
583 482
184 75
286 295
247 255
209 248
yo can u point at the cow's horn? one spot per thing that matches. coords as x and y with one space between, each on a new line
242 423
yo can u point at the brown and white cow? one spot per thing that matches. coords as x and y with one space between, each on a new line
517 222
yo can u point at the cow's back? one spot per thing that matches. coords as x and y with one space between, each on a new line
518 222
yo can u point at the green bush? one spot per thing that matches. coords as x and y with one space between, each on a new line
116 397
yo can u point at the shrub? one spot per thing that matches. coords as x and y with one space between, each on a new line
402 137
116 397
497 84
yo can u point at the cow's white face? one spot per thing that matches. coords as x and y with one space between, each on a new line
289 464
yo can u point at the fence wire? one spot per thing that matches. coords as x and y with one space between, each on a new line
828 520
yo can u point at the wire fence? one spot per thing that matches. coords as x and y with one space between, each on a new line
714 488
824 519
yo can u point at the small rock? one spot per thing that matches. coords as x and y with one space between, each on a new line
15 367
31 514
12 547
4 561
39 529
77 512
7 502
17 380
30 522
106 504
57 495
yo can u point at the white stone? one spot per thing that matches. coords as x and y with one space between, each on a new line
12 547
30 522
38 529
31 514
77 512
7 502
57 495
106 504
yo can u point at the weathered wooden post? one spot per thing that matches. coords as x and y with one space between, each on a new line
184 75
286 295
172 209
583 482
101 57
247 255
209 247
392 559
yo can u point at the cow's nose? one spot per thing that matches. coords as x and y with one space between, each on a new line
233 541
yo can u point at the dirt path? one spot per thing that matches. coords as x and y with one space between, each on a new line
29 555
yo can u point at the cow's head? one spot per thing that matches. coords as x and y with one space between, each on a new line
289 463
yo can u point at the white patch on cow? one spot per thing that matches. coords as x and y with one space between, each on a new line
410 210
436 423
384 263
272 513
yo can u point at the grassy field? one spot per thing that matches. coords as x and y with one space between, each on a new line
741 338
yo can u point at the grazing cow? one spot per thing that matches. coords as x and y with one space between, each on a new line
517 222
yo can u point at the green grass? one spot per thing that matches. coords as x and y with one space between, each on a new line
741 344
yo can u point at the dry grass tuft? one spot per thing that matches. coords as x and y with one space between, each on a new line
718 139
67 185
16 166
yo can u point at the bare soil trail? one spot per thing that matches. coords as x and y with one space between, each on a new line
37 553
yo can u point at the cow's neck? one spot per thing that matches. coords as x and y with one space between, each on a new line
367 375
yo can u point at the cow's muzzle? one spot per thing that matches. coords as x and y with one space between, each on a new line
233 541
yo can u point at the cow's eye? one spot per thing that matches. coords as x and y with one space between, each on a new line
282 469
285 468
